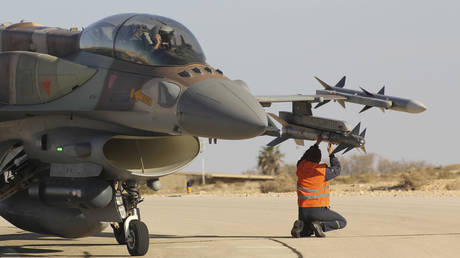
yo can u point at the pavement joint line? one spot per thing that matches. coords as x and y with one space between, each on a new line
295 251
186 247
9 252
260 247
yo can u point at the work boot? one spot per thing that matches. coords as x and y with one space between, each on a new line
297 229
307 231
317 229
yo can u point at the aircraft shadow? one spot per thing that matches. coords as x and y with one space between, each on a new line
45 250
30 236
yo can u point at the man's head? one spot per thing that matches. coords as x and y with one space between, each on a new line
313 154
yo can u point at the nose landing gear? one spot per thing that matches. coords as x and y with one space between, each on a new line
131 231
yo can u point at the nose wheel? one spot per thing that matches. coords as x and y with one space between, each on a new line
137 239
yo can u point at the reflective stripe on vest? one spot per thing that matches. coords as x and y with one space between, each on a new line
313 196
311 190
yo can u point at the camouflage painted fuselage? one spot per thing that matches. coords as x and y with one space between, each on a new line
51 74
83 114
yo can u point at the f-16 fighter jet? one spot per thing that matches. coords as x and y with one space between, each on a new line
87 115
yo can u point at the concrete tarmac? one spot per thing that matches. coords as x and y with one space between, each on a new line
259 226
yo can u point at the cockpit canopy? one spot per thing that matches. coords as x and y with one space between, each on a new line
143 39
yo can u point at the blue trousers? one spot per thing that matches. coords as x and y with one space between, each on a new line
330 220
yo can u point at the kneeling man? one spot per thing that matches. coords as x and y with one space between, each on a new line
313 194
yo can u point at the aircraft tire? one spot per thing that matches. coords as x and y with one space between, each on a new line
138 238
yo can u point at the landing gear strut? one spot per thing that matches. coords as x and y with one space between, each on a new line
131 231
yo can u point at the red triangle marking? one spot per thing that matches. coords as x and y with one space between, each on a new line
46 85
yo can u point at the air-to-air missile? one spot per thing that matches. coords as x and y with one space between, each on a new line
369 99
311 128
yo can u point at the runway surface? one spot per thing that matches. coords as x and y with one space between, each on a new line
260 227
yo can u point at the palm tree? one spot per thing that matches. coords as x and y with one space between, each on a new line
269 160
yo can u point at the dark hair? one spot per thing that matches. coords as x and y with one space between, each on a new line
313 154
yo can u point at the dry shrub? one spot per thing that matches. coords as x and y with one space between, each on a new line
345 180
220 185
282 183
452 167
415 180
391 166
144 189
446 175
454 185
390 176
361 178
358 164
366 177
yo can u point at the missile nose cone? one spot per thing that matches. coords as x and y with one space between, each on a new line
414 106
223 109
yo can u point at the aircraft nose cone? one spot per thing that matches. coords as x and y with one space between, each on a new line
414 106
223 109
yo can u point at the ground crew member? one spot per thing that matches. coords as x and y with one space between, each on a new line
313 194
189 187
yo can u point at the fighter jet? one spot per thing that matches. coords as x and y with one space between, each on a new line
86 115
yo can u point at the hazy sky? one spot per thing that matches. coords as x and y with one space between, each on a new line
411 47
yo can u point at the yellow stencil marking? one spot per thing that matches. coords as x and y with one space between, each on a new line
131 94
140 97
143 98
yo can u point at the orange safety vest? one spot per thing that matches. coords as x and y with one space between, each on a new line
312 187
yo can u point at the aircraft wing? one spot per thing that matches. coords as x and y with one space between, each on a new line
266 101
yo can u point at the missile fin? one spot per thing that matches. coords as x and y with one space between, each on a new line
342 103
364 149
382 91
341 83
279 119
348 149
278 140
322 103
299 142
356 129
367 92
325 85
339 148
363 133
365 108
